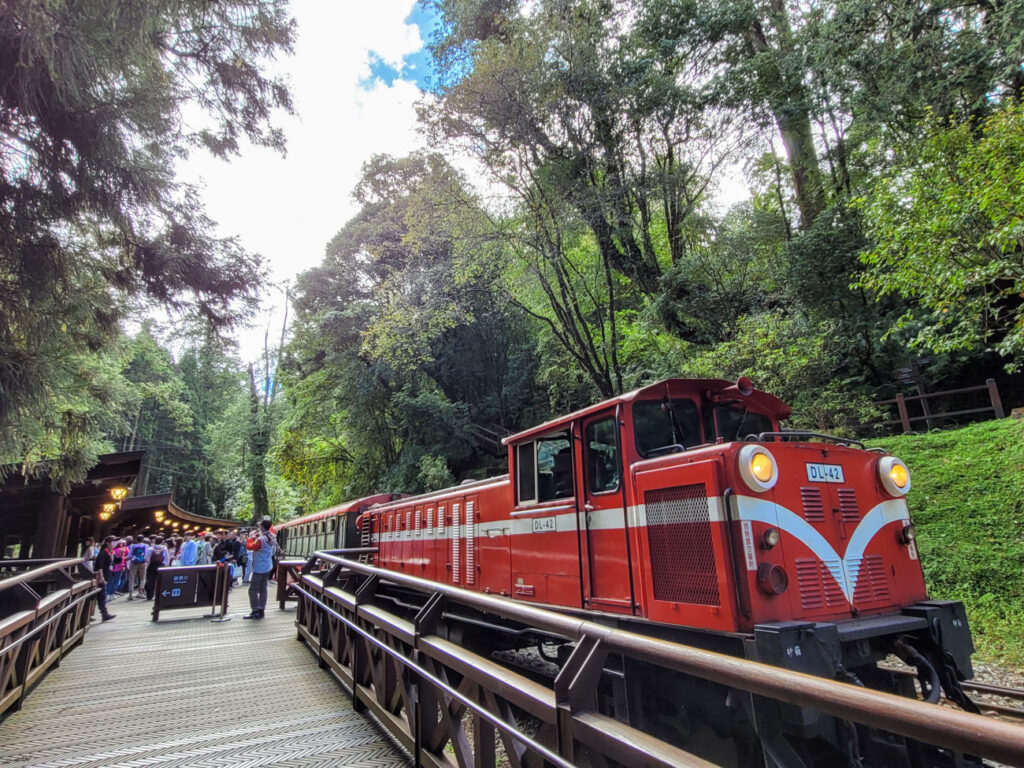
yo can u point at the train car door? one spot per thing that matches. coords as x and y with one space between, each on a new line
606 555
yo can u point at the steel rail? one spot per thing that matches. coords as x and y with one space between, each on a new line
497 722
960 731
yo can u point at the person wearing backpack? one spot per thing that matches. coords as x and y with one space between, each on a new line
155 560
137 568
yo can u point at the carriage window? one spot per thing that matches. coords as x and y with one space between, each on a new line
661 424
602 456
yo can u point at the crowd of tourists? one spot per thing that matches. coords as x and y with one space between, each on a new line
127 567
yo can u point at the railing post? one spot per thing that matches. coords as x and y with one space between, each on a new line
993 394
901 404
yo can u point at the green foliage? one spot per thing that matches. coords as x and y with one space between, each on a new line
794 360
967 501
948 235
92 221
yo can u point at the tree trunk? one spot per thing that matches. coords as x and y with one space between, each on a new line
788 102
259 444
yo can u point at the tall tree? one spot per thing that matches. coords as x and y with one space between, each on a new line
92 220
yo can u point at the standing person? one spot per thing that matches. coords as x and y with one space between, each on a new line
104 563
206 550
117 553
89 552
222 550
126 563
137 569
156 560
238 550
189 553
262 546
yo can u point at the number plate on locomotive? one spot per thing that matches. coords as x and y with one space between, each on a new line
825 473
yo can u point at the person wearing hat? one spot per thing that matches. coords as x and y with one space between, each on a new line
261 544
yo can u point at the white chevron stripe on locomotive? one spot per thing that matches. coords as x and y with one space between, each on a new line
844 568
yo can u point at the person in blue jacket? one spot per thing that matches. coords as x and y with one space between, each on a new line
261 544
189 554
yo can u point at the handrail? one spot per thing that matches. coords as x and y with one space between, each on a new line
422 672
28 576
36 630
961 731
14 562
44 628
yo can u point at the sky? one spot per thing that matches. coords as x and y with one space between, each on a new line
356 74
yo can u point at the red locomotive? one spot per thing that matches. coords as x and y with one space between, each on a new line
683 511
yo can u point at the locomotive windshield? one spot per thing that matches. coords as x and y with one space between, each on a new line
734 421
666 424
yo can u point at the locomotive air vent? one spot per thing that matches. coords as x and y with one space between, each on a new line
872 580
818 588
848 505
814 509
683 568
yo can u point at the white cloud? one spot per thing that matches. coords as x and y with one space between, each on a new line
288 208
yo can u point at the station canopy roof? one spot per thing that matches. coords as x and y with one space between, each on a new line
159 512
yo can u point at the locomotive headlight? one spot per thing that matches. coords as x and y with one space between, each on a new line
758 468
770 539
894 475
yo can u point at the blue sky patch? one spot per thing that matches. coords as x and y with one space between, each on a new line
418 66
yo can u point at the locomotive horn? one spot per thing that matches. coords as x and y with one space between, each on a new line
743 386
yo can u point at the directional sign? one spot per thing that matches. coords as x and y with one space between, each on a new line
177 587
190 586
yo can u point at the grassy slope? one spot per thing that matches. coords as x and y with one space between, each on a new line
967 502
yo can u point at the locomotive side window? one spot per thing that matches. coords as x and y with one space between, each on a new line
665 425
602 456
526 473
544 470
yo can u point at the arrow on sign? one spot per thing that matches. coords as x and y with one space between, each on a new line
165 593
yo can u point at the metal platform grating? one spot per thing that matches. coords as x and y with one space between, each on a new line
184 692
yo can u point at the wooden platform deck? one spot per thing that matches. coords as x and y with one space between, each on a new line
189 692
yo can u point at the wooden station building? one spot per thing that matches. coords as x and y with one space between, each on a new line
37 521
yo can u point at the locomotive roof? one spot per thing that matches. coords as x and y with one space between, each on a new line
760 400
346 506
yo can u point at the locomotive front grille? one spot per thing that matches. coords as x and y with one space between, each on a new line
683 567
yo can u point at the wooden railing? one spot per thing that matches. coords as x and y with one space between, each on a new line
449 706
290 571
907 421
44 613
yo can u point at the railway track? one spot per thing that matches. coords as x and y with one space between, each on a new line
986 690
983 694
